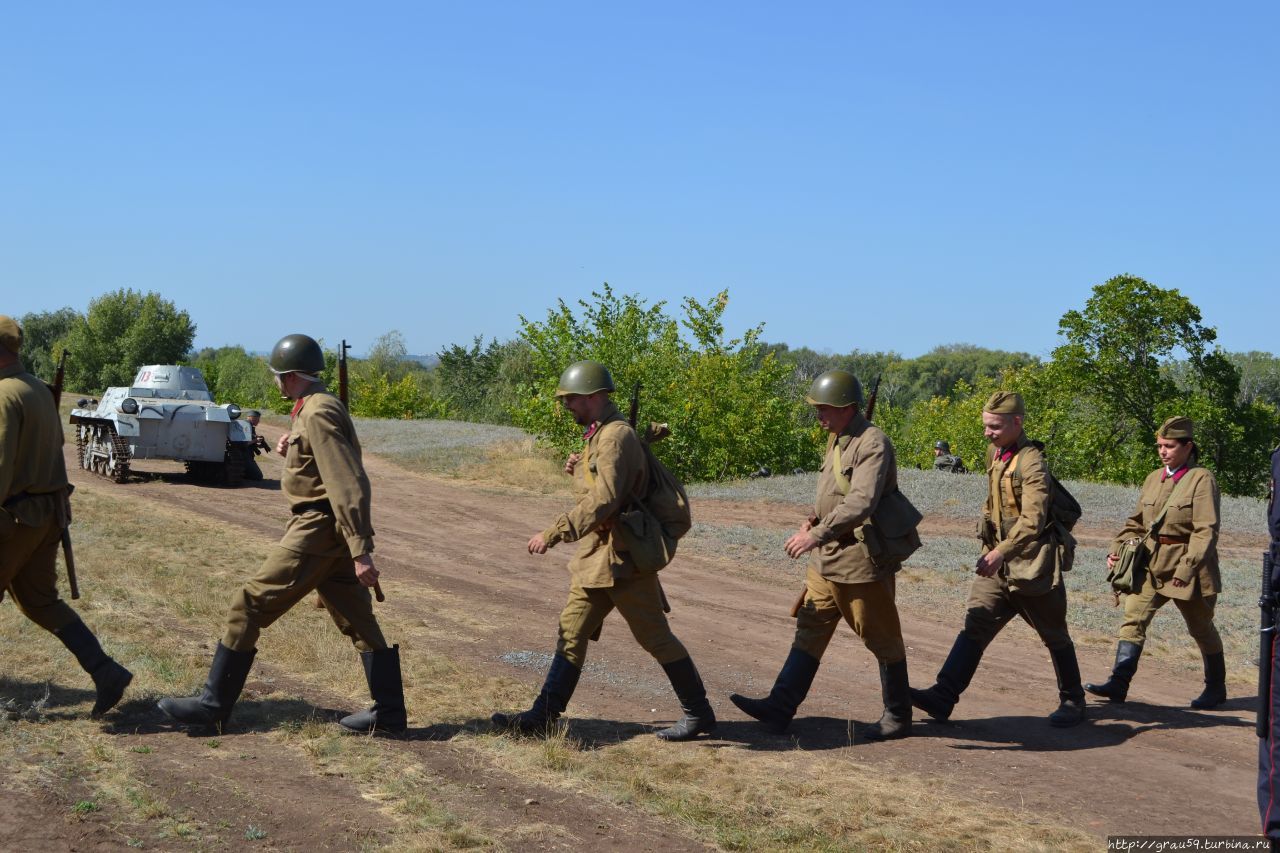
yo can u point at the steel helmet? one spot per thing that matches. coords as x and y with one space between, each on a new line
584 377
296 353
837 388
942 445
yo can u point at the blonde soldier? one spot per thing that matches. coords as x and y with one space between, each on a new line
861 531
609 475
1183 564
1019 572
34 510
327 547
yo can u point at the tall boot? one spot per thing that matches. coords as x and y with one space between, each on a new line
109 678
382 672
1116 688
953 679
698 716
896 690
1070 694
557 690
1215 683
212 708
789 689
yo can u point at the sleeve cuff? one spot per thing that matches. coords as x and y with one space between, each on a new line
360 545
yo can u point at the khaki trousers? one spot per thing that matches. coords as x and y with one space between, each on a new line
869 609
28 572
1140 608
992 604
640 603
286 577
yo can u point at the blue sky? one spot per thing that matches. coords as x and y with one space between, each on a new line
857 175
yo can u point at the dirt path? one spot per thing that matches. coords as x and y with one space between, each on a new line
444 545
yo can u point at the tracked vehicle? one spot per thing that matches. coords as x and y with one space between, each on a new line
167 413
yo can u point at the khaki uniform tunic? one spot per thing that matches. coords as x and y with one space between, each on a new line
613 472
1193 516
329 495
33 480
843 579
1029 583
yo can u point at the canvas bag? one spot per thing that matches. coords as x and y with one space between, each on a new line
650 529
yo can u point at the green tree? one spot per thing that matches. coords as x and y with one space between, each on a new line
235 376
731 408
120 332
483 383
43 338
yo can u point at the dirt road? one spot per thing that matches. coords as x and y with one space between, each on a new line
1152 766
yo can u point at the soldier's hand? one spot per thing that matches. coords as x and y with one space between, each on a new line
282 446
538 545
572 462
1179 583
800 543
990 563
1111 561
365 572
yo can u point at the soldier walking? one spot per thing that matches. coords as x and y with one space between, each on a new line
1019 572
609 475
861 530
35 509
327 547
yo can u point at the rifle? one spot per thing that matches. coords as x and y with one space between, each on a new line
871 408
1267 647
344 394
343 391
64 511
635 405
58 376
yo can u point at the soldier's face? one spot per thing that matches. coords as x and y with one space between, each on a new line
834 418
1173 453
579 406
1001 430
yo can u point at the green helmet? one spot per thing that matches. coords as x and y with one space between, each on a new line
584 377
837 388
296 353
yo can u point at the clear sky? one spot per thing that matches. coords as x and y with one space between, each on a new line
858 175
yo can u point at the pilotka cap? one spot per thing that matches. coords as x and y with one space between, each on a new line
10 334
1005 403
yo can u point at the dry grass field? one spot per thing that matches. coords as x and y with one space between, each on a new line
160 558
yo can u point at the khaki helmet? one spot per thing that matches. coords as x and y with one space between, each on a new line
837 388
584 377
296 354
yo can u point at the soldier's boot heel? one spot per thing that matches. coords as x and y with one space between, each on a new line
776 710
895 688
212 708
953 679
109 678
1070 711
698 717
557 690
382 672
1116 688
1215 683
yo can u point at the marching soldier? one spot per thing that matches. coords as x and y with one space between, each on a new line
609 475
1019 572
1177 519
327 547
861 530
34 510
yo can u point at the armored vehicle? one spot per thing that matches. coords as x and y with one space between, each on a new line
167 413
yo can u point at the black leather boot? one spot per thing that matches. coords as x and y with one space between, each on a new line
109 678
1070 694
789 689
212 708
557 690
953 679
382 672
698 717
896 690
1116 688
1215 683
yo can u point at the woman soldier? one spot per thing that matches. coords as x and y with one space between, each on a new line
1180 501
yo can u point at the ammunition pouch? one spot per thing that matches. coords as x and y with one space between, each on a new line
891 535
638 533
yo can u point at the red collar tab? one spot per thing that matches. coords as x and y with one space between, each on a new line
1005 454
297 407
591 430
1176 475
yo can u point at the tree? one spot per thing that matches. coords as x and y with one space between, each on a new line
120 332
43 338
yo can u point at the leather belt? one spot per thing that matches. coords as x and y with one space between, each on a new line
1173 540
314 506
